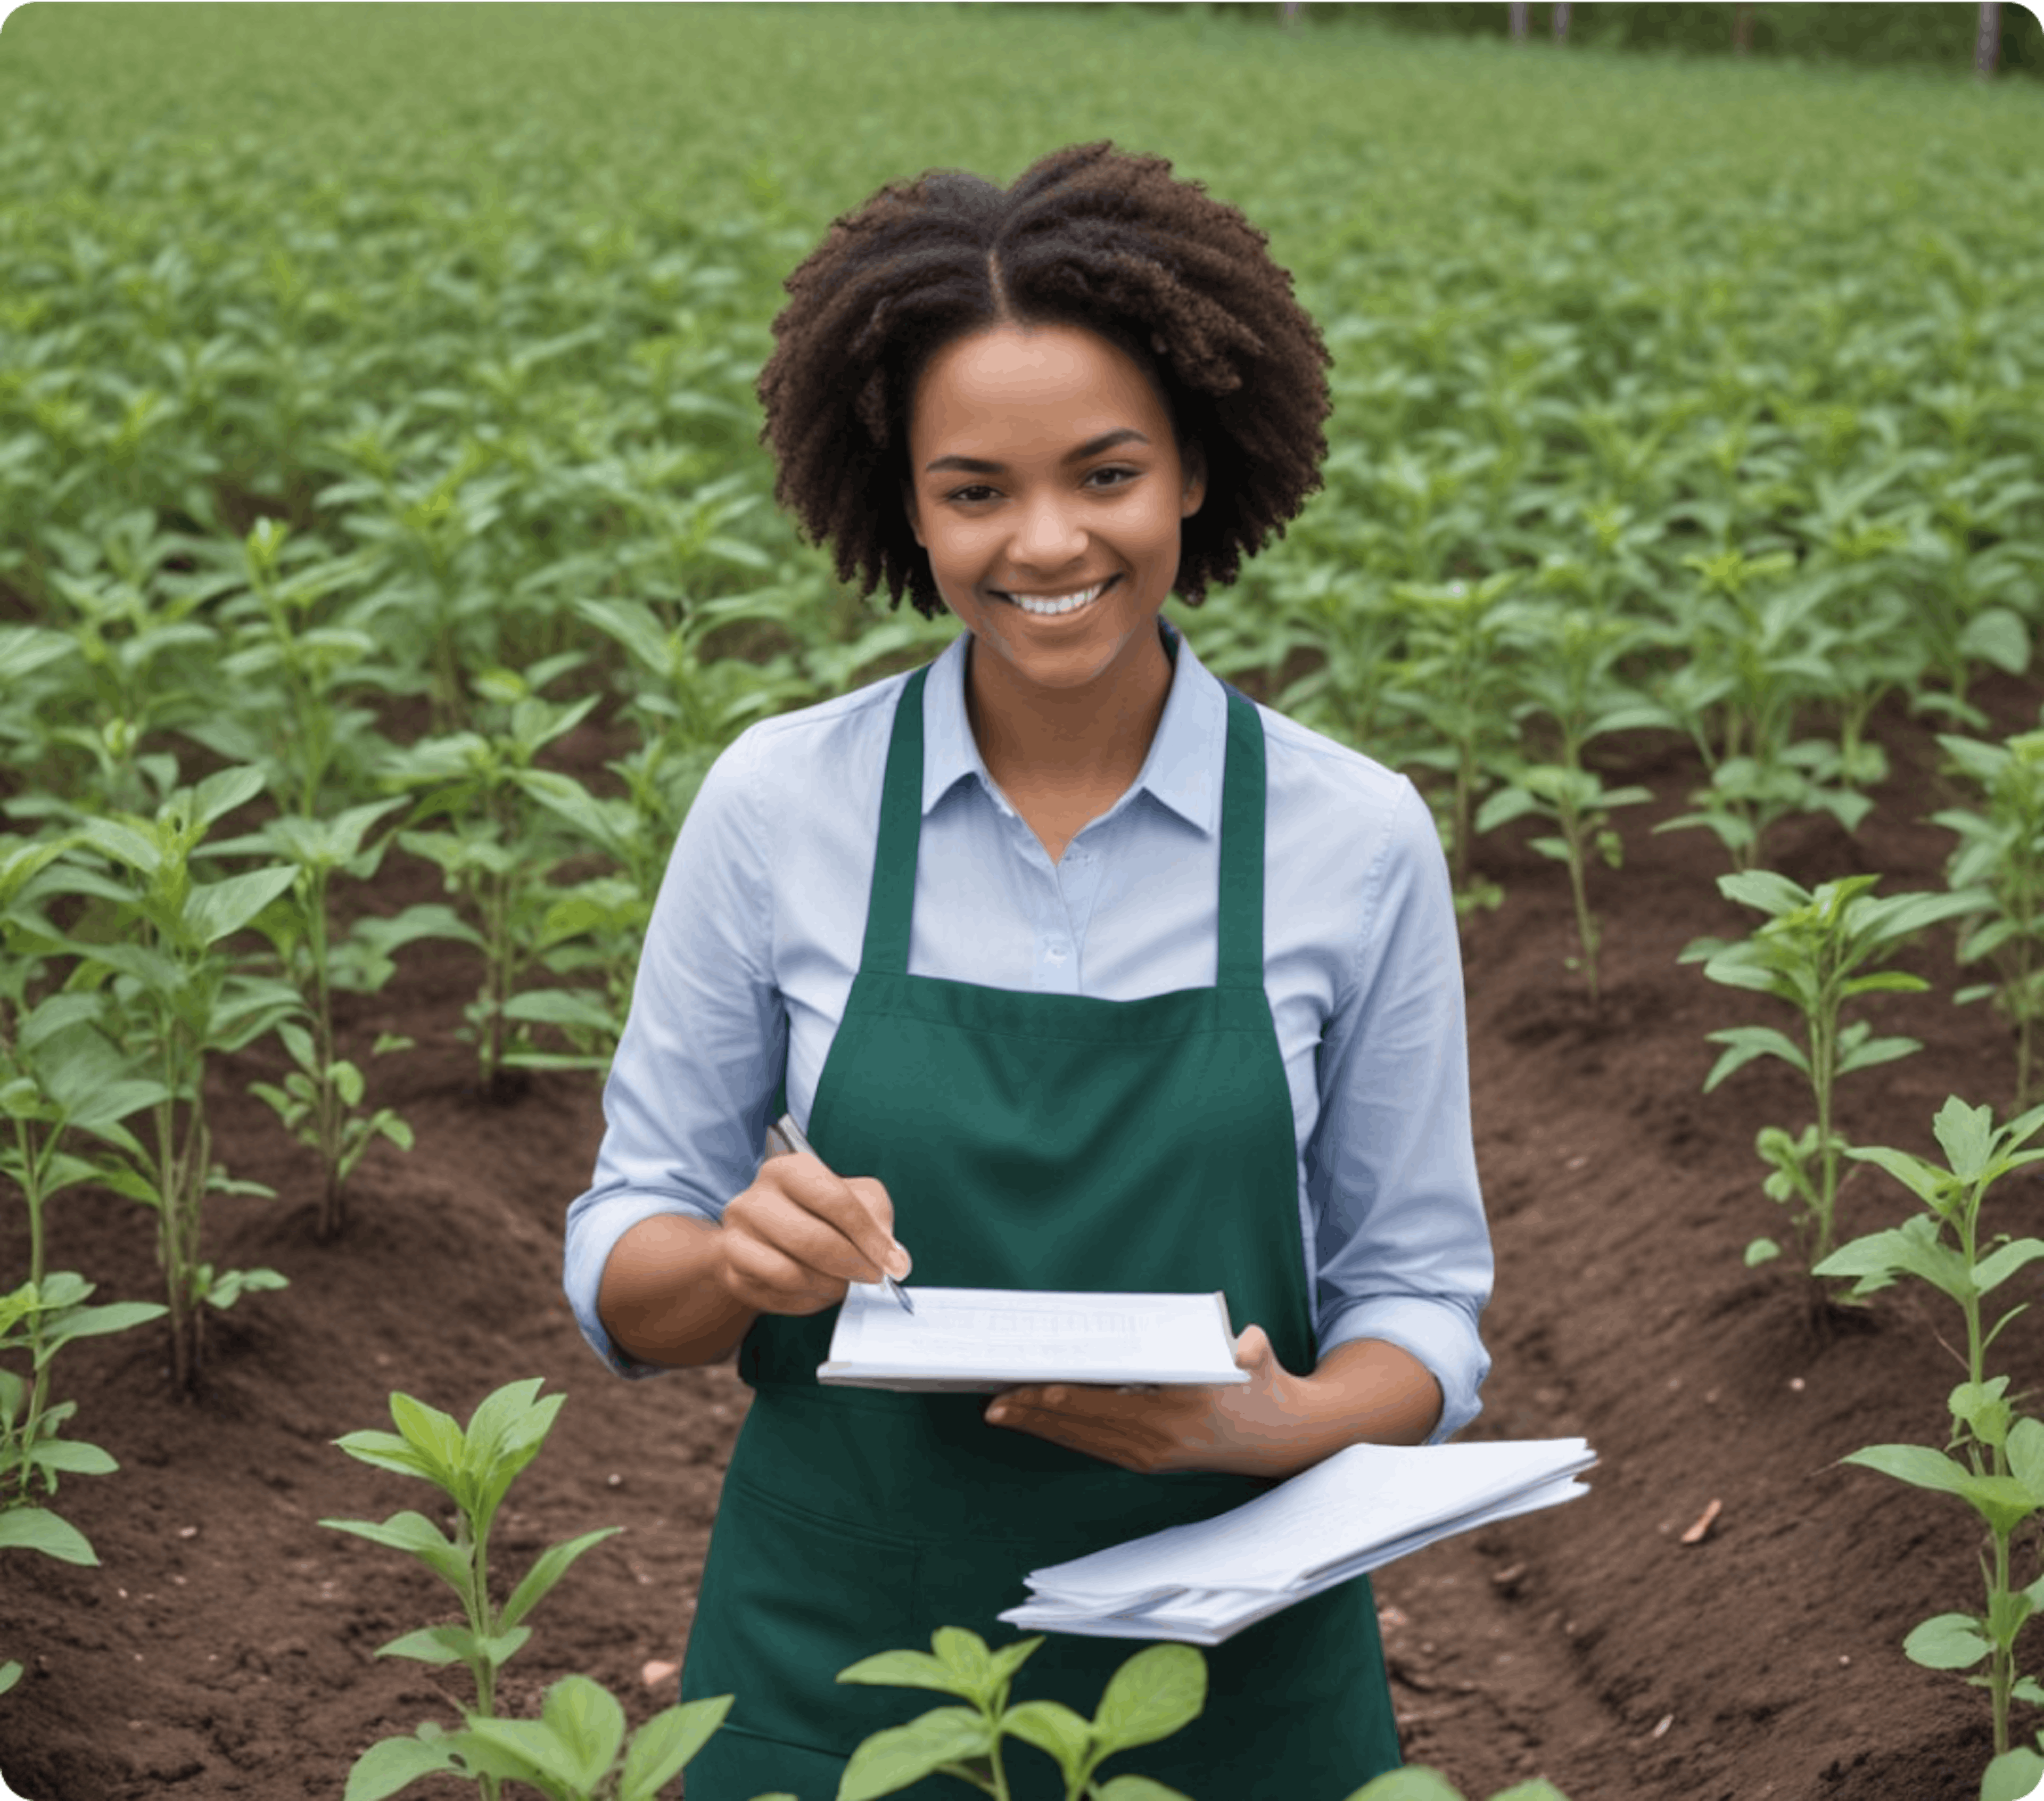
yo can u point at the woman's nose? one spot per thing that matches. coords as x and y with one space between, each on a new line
1048 536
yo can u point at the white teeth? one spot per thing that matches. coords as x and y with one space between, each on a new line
1050 605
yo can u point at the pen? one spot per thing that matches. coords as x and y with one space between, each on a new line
792 1134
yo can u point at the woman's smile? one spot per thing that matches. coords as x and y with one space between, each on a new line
1057 606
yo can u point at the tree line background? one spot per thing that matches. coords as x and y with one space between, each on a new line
1941 35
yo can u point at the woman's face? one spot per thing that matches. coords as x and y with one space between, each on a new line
1044 470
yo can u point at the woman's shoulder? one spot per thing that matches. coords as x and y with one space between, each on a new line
1306 771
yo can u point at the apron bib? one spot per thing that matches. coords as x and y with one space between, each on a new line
1027 1140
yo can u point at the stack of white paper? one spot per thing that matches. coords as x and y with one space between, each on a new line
981 1340
1355 1511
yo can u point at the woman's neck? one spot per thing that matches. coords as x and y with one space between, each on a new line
1089 741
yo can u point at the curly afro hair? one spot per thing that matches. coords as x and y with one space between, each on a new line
1088 236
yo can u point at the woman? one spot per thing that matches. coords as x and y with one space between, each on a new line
1150 989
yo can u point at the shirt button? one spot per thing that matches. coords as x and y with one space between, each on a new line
1055 949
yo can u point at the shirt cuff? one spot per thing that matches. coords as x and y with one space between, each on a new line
1441 1334
588 1247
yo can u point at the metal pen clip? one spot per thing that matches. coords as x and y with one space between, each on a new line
790 1137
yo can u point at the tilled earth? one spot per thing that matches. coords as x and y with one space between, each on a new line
225 1646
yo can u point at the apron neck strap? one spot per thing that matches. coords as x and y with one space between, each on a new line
892 904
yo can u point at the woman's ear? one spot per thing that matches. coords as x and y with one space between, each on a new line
1195 463
908 506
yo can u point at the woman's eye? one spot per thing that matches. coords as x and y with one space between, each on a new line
1118 477
978 490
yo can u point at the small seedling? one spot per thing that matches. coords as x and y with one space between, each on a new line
1807 953
1999 1468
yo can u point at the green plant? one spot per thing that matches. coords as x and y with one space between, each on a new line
494 851
473 1468
1999 860
1809 953
152 939
58 1077
320 1102
1456 679
1753 661
293 663
1993 1460
1153 1695
1578 804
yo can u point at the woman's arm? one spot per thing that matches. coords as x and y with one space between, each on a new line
663 1298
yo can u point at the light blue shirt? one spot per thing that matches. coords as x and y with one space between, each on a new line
757 933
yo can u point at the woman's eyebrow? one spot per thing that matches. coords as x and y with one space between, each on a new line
1092 446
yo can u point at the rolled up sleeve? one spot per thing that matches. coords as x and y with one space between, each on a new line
684 1106
1404 1248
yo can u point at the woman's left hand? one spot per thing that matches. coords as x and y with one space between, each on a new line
1255 1428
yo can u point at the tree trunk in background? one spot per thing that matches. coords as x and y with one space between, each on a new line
1987 47
1741 30
1562 22
1518 11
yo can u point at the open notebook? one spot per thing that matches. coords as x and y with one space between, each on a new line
981 1340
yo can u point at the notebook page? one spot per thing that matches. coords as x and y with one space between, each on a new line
993 1331
1366 1495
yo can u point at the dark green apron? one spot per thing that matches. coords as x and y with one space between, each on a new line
1026 1141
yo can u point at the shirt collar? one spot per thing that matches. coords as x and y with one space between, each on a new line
1182 769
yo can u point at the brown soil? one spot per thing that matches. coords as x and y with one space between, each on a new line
225 1646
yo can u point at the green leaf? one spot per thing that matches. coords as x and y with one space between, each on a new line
1966 1134
387 1451
509 1416
2026 1456
431 1434
1868 1052
37 1529
589 1724
1925 1180
1415 1782
97 1322
965 1653
1916 1464
548 1568
11 1673
895 1757
532 1750
1137 1788
417 1536
2015 1776
217 909
1747 1042
72 1457
1998 636
392 1763
1998 1265
903 1669
1912 1248
663 1746
1772 894
436 1645
1051 1727
1153 1695
455 1645
1761 1251
1949 1642
221 793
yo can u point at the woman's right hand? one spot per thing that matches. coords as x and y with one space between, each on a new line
799 1236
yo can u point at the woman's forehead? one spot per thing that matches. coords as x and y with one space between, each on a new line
1023 382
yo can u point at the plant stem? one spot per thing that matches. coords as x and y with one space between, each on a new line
1823 1056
